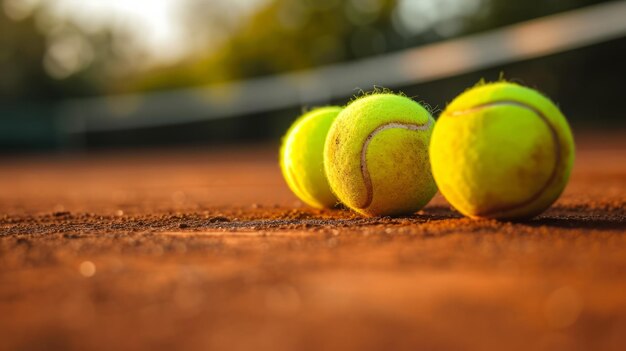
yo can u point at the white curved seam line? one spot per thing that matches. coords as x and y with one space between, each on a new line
499 103
364 170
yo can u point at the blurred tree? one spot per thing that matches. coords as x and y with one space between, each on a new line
44 58
288 35
22 48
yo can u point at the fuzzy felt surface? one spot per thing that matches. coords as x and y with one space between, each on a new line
376 155
301 157
501 150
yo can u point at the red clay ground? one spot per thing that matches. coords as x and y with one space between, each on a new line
209 250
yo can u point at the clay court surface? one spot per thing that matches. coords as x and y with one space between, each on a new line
208 250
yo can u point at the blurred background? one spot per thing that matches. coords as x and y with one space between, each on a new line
84 75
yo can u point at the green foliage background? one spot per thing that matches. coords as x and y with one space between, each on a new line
282 35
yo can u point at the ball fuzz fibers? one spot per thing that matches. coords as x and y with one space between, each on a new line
501 151
376 155
301 157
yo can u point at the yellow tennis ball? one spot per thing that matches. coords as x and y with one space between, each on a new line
501 150
302 160
376 155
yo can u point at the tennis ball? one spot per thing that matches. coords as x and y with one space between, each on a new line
301 157
376 155
502 151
